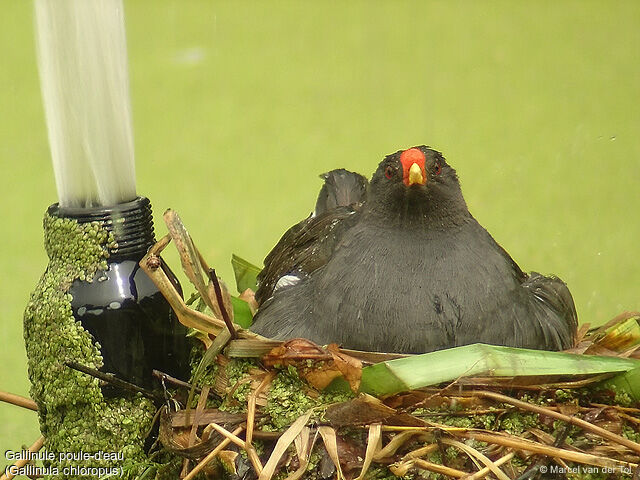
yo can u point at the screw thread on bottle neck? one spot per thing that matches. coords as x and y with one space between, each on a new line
131 224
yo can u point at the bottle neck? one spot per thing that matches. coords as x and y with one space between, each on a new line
131 224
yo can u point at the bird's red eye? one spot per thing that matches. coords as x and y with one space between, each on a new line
438 168
389 172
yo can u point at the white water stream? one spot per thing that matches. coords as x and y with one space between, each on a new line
82 58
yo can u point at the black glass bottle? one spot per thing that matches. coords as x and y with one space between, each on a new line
121 307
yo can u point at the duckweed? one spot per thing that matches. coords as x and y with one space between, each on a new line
74 415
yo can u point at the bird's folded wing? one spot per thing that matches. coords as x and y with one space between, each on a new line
309 244
305 247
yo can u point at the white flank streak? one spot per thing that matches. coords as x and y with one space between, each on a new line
286 281
82 58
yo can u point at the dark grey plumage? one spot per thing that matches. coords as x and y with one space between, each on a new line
308 245
341 188
408 269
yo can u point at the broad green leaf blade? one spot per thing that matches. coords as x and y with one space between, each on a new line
488 360
246 273
241 312
628 382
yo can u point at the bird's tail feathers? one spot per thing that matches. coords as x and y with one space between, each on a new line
554 294
341 188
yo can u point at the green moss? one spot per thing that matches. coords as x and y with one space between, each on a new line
434 457
622 398
338 396
516 423
314 460
451 453
380 472
169 470
281 475
208 376
487 420
288 396
630 433
536 399
197 351
74 415
287 399
238 368
565 395
458 421
238 385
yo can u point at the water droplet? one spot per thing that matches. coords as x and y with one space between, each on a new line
114 305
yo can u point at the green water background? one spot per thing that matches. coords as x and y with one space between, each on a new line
238 106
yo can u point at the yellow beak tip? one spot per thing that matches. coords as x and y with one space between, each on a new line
415 174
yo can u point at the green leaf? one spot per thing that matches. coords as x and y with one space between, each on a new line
246 273
419 371
628 382
241 312
207 359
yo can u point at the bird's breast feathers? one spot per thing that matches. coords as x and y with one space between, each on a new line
450 272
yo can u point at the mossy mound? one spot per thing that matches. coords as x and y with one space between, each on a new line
420 432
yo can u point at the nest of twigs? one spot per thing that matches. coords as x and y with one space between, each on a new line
263 409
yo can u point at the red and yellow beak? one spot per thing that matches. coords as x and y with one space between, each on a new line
413 168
